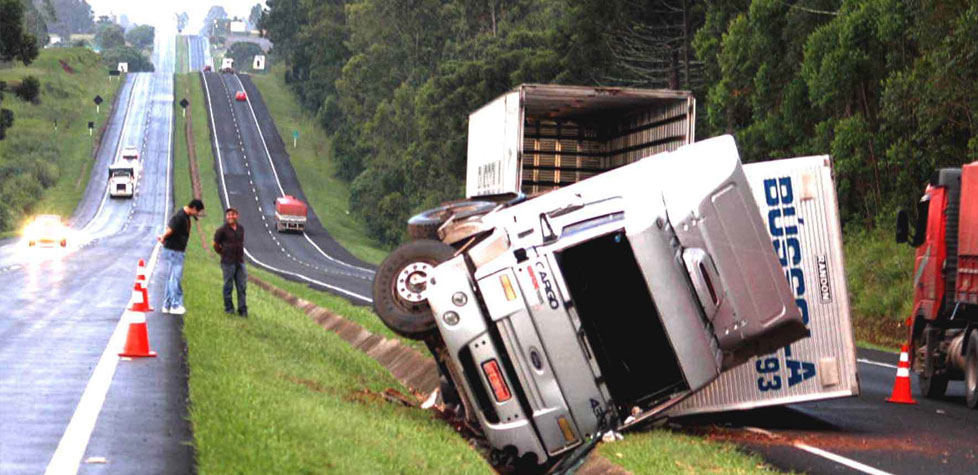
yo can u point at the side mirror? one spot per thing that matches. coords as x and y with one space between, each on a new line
902 226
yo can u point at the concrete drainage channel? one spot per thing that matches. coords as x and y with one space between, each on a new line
416 371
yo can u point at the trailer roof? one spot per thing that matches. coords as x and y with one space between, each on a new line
566 102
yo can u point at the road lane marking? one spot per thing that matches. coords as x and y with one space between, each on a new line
858 466
74 441
861 467
875 363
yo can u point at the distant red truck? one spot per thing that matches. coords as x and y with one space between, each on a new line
290 214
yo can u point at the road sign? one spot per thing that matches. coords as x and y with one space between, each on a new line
113 72
259 62
123 67
91 125
98 103
184 103
295 138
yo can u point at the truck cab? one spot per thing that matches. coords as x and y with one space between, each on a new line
942 324
122 180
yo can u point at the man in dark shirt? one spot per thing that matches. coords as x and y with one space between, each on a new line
229 243
174 241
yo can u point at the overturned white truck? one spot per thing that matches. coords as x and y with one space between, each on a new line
559 308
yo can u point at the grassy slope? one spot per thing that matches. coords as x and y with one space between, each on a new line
66 98
277 394
879 273
328 195
664 451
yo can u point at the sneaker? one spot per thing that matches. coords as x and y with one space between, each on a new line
243 314
178 310
165 310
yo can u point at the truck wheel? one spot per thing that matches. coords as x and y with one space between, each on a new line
933 385
425 225
400 284
971 371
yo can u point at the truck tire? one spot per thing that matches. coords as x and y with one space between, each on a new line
932 384
400 283
425 225
971 371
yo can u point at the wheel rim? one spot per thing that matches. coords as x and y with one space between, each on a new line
412 282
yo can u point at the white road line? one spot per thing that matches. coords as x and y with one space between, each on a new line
876 363
75 439
858 466
861 467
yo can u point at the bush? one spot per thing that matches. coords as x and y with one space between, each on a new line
29 90
138 62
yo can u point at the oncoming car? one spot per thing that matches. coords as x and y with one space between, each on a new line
46 230
241 96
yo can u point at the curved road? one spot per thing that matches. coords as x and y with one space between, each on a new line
254 170
64 396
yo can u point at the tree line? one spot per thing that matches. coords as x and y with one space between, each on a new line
884 86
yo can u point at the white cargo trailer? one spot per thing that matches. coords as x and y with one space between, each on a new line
797 200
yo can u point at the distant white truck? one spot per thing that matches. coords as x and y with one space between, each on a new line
122 180
227 65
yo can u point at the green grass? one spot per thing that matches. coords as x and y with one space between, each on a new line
312 161
663 451
67 99
276 393
879 274
183 48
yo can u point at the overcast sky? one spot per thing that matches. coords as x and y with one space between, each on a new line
157 12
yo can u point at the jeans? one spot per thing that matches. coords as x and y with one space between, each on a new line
235 274
173 297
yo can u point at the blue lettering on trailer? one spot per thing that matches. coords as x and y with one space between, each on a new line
783 224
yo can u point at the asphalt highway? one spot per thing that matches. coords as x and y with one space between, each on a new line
198 52
254 170
933 436
66 402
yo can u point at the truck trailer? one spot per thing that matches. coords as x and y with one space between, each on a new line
122 179
941 327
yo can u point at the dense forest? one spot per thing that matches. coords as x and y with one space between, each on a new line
887 87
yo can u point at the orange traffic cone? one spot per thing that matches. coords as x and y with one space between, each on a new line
137 341
141 272
140 299
901 387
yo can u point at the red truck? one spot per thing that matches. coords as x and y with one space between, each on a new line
942 327
290 214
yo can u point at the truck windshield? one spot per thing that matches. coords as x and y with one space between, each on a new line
122 173
620 320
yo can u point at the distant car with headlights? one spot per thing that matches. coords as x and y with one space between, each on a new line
47 230
240 96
